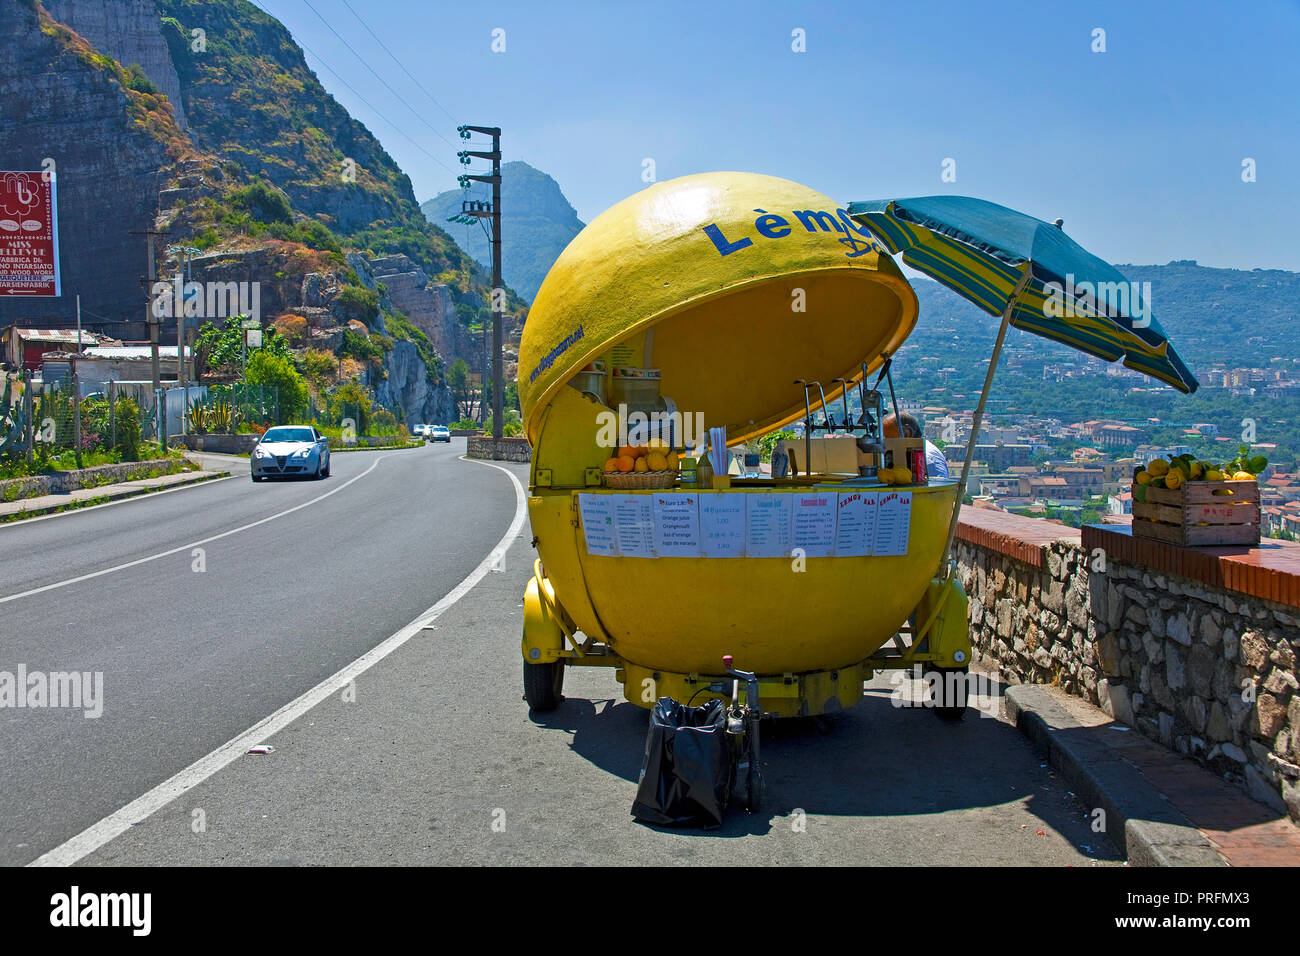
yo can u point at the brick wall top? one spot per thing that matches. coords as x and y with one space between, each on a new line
1268 570
1026 539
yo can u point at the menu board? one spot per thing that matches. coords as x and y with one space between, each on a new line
767 524
855 524
634 525
812 523
676 525
722 524
598 524
893 521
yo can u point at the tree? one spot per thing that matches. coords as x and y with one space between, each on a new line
278 372
458 380
352 401
319 368
219 347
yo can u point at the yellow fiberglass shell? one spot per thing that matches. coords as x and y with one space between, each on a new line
748 283
774 615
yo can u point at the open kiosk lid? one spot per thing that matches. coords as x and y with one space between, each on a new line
748 282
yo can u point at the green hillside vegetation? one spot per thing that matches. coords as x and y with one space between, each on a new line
250 98
1226 318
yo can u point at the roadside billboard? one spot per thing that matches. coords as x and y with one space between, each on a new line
29 234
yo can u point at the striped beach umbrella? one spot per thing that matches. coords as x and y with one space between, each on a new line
1007 262
1031 274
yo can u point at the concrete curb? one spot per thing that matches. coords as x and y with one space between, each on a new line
1141 822
114 492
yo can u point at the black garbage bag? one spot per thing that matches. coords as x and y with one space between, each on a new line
687 765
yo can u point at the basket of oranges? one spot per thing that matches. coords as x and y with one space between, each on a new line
641 468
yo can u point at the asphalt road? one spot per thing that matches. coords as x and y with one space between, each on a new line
196 646
435 760
429 756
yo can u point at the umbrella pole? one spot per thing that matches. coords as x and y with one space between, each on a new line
978 418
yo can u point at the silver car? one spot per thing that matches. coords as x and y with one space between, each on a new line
290 450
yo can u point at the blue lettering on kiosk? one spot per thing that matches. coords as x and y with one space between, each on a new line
857 238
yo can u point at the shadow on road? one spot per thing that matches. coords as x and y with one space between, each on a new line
874 760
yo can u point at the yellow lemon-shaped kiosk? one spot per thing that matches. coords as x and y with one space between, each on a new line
725 288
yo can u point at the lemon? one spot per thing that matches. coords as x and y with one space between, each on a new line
1158 468
886 475
1174 479
1214 475
1143 477
656 461
1243 476
1197 469
671 460
641 465
902 476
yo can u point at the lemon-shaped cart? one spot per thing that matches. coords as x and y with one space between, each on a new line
718 301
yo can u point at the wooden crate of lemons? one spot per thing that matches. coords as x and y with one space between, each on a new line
1198 503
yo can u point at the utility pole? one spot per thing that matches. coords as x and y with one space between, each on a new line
182 376
475 210
151 277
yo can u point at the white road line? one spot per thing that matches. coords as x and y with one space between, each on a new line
139 809
131 499
192 544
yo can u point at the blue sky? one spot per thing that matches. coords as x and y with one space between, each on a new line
1139 148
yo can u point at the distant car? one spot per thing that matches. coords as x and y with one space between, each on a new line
439 433
290 450
421 431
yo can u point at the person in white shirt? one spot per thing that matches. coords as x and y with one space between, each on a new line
935 463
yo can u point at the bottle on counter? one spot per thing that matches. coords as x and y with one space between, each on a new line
688 471
704 472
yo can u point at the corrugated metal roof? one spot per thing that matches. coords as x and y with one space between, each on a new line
132 351
62 336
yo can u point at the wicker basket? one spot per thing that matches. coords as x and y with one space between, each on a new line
639 480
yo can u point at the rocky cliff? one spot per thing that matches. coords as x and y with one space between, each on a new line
405 384
128 32
202 120
63 102
537 223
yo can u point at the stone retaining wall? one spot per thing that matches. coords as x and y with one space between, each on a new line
61 482
507 449
1204 669
217 444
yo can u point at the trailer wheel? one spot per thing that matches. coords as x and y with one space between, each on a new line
950 692
543 684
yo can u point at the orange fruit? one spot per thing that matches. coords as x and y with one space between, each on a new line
626 463
611 465
627 450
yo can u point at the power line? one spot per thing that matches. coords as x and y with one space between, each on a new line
400 99
397 61
375 109
394 126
